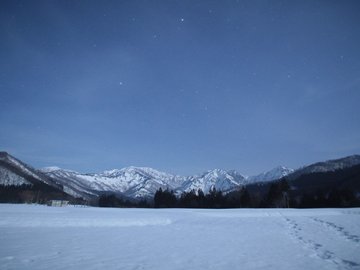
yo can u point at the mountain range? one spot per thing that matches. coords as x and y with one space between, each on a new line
143 182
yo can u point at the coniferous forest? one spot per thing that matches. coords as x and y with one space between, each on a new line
340 188
278 195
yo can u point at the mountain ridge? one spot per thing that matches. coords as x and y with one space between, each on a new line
142 182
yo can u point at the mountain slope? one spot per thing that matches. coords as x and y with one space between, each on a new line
134 182
217 178
344 178
8 178
142 182
326 166
271 175
336 173
15 172
20 182
71 184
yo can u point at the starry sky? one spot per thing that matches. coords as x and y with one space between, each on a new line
181 86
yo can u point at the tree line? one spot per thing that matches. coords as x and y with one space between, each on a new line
39 193
277 195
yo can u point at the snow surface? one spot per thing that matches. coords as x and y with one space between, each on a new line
41 237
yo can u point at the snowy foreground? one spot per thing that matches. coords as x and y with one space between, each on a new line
41 237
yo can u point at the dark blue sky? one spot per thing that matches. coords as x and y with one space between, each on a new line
181 86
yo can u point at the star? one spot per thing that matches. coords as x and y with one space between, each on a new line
182 19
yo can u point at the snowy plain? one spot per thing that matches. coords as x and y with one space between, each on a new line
41 237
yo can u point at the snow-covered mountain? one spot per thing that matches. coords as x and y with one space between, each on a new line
276 173
143 182
326 166
8 178
70 182
134 182
15 172
217 178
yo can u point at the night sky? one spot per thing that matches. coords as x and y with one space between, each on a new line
181 86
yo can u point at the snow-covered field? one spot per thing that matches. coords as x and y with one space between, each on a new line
41 237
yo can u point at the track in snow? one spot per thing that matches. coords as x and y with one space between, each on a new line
319 249
338 229
40 237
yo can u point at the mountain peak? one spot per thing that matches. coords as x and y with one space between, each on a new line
3 154
136 182
133 170
215 172
50 169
